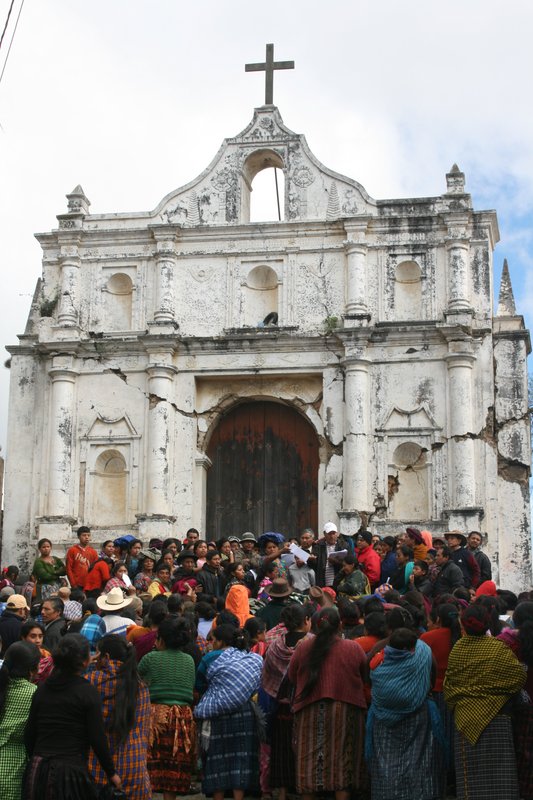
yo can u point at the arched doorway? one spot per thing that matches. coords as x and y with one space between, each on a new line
264 473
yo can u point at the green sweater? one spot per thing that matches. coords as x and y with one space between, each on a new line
170 677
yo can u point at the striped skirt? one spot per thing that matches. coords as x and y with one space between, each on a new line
328 744
487 770
407 761
231 760
172 753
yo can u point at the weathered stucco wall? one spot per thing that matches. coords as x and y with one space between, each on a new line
144 330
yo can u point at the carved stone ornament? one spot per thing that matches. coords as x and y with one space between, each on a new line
201 274
67 223
224 179
303 176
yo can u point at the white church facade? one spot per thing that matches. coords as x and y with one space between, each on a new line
147 396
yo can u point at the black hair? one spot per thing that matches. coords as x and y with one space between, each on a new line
493 606
403 639
211 554
326 624
230 567
20 659
175 604
448 615
462 593
174 632
390 541
28 626
392 596
254 626
349 559
171 540
162 565
196 543
157 612
371 605
476 619
71 653
399 618
135 541
122 717
89 606
107 541
523 621
349 611
507 597
231 636
423 565
376 624
446 551
56 603
192 530
205 610
11 570
226 617
293 616
76 594
406 551
43 541
82 529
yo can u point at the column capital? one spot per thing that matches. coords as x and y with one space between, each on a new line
161 371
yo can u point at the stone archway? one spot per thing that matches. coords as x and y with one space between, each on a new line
264 473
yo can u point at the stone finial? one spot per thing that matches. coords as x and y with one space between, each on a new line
77 201
506 304
455 181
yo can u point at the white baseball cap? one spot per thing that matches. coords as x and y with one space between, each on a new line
329 527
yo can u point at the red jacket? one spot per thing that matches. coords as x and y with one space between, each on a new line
78 561
97 577
371 564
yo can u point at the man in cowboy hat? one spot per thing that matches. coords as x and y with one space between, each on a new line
456 541
278 591
110 604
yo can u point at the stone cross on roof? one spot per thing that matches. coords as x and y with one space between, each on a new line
268 67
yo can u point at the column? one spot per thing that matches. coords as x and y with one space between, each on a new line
158 460
165 260
356 421
458 255
69 298
356 283
63 378
461 466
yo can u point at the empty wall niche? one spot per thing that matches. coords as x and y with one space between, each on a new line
408 291
260 295
408 483
119 299
263 187
109 490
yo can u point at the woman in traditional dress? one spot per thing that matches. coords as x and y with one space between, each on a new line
64 722
351 581
47 570
520 640
483 675
126 712
405 747
145 576
118 571
327 673
169 673
229 732
16 690
273 679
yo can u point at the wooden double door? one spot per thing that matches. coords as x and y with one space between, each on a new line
264 473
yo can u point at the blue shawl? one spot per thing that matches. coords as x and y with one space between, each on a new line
232 680
400 686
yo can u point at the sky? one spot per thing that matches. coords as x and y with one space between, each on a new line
132 99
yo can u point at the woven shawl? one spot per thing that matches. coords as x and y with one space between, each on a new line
401 683
232 680
482 675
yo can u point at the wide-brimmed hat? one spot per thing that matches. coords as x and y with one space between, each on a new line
458 534
17 601
186 554
278 588
150 552
113 600
248 537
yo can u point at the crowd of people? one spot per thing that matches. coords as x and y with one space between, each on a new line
369 667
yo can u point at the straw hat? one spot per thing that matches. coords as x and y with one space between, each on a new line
113 601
